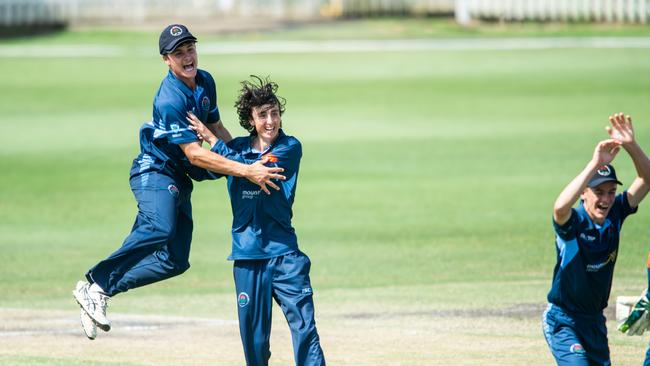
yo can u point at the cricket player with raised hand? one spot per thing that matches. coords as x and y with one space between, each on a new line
267 262
161 176
587 241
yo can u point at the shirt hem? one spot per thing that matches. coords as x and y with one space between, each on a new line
266 256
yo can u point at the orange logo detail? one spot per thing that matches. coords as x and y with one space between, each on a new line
272 158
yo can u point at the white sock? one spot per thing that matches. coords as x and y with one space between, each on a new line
95 288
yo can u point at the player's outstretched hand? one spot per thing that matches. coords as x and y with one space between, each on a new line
202 132
606 151
639 319
621 128
262 175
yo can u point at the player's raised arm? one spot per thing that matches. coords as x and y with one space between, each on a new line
621 129
604 153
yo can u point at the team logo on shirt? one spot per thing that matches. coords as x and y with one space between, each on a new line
586 237
176 31
577 348
249 195
173 190
176 129
272 158
243 299
306 291
611 258
604 171
205 103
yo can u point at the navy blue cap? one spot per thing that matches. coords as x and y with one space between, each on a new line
173 36
605 173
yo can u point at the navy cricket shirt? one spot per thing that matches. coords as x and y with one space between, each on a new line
159 138
261 226
586 254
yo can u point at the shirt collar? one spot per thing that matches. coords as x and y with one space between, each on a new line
591 225
249 148
181 85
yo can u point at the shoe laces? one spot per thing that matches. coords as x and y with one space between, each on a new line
87 296
103 302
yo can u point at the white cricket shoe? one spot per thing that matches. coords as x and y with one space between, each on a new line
88 325
93 303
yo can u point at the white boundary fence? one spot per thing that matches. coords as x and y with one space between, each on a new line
621 11
366 8
32 12
44 12
38 12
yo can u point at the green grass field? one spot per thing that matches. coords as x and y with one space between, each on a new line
424 200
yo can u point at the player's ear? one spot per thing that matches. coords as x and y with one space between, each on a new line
166 60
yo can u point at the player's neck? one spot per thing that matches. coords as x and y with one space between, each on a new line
259 144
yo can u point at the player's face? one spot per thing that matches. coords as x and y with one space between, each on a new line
599 200
267 121
183 62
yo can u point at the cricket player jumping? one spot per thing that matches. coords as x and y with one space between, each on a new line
159 244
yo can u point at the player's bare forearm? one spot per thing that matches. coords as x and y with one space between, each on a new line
220 131
604 153
211 161
640 160
203 132
571 193
622 130
256 172
641 185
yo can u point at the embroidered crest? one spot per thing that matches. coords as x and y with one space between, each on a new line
176 31
243 299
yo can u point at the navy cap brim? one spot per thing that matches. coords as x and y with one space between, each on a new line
599 181
177 42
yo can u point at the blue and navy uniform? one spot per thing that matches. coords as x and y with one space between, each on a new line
267 262
159 243
573 323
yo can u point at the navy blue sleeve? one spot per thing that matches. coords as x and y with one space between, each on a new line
287 156
172 111
622 205
567 231
213 113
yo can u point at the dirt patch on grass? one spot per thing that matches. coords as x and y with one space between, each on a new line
18 322
412 337
519 311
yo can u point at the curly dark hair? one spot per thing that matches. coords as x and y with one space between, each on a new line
256 93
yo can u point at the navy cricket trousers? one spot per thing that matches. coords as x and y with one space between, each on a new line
285 279
158 246
576 340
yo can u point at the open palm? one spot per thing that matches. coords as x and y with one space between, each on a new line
606 151
621 128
